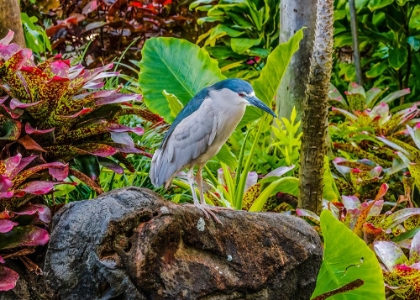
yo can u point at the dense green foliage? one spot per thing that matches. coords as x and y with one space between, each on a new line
243 35
389 44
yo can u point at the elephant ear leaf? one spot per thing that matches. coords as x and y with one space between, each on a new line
178 67
349 269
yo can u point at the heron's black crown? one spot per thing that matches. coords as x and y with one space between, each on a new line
234 84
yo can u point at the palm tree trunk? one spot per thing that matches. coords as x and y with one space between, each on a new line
10 20
315 111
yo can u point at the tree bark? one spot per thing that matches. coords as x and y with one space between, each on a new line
295 14
315 111
10 20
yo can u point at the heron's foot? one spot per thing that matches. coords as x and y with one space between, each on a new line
209 211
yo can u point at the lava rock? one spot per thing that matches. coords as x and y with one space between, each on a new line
131 244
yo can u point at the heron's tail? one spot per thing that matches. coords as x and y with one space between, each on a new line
161 171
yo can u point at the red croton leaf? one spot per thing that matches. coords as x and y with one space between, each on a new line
29 144
38 187
24 236
58 170
8 279
5 183
43 211
98 149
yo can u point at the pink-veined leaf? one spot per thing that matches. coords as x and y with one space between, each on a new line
8 279
21 236
30 130
43 211
7 225
398 217
389 253
118 98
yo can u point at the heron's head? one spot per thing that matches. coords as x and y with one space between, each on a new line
240 91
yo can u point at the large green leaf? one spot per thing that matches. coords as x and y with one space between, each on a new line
398 57
267 84
376 4
347 258
177 66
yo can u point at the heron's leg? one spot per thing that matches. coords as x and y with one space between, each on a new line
190 176
206 209
199 180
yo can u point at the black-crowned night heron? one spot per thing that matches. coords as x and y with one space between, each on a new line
199 131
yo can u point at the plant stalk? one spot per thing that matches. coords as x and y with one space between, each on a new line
354 34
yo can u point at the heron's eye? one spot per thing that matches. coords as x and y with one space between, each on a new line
242 94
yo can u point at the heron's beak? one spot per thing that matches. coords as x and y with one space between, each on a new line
258 103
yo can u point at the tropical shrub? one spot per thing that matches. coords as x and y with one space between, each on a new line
389 44
408 152
245 34
59 112
102 30
355 122
22 179
19 235
401 273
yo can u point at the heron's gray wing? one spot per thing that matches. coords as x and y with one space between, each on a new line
189 140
